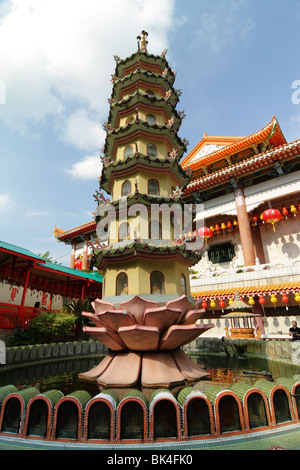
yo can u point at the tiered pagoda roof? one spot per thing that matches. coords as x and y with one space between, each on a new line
155 248
140 161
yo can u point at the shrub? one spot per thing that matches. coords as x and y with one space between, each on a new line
48 327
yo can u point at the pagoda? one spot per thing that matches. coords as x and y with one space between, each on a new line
147 312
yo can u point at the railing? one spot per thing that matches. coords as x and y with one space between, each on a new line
15 316
215 274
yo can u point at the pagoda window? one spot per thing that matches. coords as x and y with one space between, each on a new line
126 188
155 230
122 284
223 253
152 150
151 119
153 187
183 284
129 119
157 282
123 231
128 151
150 93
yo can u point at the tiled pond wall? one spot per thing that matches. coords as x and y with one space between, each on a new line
283 350
15 355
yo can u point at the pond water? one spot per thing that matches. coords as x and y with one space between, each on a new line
63 374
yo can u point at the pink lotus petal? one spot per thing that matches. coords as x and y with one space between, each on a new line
94 318
160 370
189 369
114 319
139 337
107 337
182 302
178 335
161 317
100 306
123 371
136 306
93 373
192 316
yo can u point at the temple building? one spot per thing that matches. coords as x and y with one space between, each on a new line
250 191
248 188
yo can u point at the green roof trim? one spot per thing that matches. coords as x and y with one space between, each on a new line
20 251
93 276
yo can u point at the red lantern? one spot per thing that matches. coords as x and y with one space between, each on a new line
222 303
285 212
204 304
261 300
217 228
255 218
285 299
229 225
205 232
272 216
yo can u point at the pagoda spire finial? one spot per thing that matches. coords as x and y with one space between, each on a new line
144 41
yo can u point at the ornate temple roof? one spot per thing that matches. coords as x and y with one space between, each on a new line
248 290
195 159
65 235
253 164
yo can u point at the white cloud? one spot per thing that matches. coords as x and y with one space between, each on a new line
5 201
83 131
224 23
57 57
88 168
36 213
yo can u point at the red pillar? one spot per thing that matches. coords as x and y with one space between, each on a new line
21 308
72 259
244 227
85 261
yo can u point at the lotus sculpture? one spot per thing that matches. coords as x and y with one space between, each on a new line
144 340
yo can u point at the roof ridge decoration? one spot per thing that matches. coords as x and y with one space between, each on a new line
271 130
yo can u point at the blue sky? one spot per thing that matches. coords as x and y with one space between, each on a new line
236 62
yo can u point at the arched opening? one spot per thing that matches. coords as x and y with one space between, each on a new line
37 420
229 414
157 282
150 93
183 284
132 421
123 231
281 406
165 423
128 152
126 188
153 187
151 119
155 230
67 421
257 411
152 150
12 416
297 398
99 421
198 421
122 284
